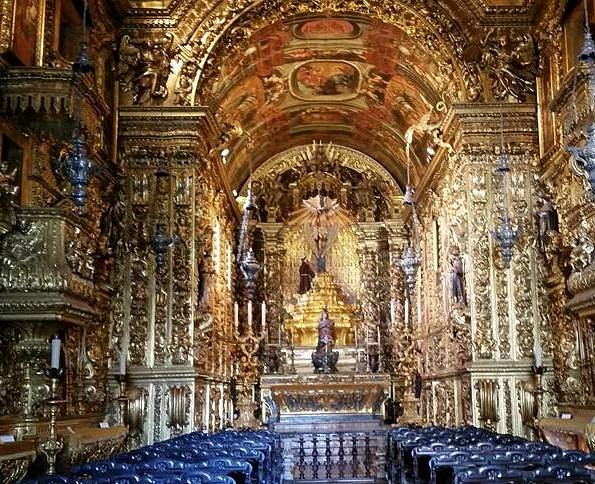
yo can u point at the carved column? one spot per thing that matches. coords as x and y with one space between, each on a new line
174 306
369 331
273 282
400 332
496 323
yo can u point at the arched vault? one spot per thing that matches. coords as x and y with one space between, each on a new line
361 75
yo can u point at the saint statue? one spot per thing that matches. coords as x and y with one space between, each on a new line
324 358
547 218
205 281
306 276
325 330
457 276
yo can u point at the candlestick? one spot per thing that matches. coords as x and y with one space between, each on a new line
236 315
55 354
122 368
263 313
250 316
53 445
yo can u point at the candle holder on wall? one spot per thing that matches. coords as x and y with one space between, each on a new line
53 445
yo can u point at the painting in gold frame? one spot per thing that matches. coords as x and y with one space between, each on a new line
25 22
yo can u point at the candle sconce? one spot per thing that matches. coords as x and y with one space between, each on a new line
53 445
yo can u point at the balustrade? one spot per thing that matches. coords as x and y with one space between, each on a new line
337 456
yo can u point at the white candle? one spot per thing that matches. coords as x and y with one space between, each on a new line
406 310
236 315
378 336
393 310
250 316
122 369
55 354
264 316
538 353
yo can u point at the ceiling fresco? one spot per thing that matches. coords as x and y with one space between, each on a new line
351 80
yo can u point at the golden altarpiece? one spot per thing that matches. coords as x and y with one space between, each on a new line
321 114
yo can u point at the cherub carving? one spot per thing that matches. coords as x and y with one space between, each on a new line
144 68
582 253
510 60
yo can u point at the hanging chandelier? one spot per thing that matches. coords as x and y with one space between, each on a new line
584 155
249 207
250 269
505 235
162 241
78 166
410 261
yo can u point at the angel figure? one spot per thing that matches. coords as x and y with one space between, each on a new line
425 126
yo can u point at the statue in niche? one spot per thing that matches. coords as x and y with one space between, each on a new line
261 207
324 358
325 329
457 276
547 218
205 281
306 276
112 220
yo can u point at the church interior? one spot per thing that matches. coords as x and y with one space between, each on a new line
264 241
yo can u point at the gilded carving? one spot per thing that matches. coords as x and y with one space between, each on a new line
178 408
14 470
508 406
483 339
487 402
509 58
24 259
157 414
144 67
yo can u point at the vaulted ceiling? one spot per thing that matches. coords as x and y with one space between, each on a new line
364 75
345 79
